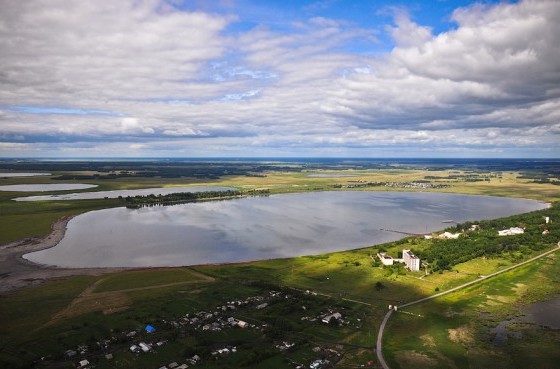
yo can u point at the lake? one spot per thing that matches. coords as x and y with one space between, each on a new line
262 227
47 187
124 193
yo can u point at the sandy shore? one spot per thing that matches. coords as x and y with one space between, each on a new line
17 272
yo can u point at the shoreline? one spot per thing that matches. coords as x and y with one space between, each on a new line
18 272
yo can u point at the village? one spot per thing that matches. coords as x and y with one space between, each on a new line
152 338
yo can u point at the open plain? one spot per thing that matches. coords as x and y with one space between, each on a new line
49 312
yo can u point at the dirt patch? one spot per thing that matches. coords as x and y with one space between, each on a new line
462 335
450 313
428 340
91 303
413 359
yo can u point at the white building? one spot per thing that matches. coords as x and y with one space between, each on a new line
449 236
385 259
327 319
144 347
412 261
511 232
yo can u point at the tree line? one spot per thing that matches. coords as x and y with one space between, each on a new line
443 254
184 197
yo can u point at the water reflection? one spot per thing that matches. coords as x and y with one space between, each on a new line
544 313
262 227
47 187
11 175
124 193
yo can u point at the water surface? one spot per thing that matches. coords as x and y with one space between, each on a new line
6 175
47 187
124 193
262 227
543 313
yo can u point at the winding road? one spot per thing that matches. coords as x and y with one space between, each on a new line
480 279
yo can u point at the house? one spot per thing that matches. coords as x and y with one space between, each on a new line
150 329
242 324
262 306
144 347
449 236
385 259
474 227
327 318
511 232
83 363
318 364
412 261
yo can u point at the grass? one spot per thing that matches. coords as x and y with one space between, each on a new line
145 278
20 220
456 329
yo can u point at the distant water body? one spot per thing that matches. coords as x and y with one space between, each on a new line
47 187
262 227
10 175
124 193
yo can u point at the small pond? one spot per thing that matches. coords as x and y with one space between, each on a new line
262 227
544 313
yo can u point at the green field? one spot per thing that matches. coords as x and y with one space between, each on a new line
456 330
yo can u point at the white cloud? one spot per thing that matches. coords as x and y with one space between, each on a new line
132 125
85 52
407 33
179 80
138 146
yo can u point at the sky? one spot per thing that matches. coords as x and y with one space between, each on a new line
280 78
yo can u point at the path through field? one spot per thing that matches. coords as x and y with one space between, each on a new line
112 301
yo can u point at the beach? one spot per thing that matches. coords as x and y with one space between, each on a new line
17 272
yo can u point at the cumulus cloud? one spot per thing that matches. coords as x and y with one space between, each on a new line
498 68
92 75
83 52
407 33
132 125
